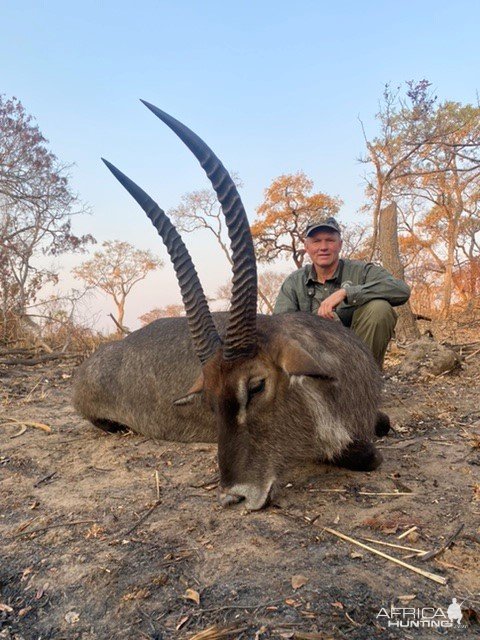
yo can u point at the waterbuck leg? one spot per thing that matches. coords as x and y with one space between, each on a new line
359 456
382 426
108 425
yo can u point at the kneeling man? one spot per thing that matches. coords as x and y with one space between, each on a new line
360 294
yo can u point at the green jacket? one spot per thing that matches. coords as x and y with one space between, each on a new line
363 281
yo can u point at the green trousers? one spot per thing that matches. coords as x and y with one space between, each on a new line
374 323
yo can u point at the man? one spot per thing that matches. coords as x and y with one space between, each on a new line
360 294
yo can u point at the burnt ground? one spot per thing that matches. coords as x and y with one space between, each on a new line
91 549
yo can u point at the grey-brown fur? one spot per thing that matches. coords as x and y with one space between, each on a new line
134 383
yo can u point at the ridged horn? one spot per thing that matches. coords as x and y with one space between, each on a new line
241 338
204 333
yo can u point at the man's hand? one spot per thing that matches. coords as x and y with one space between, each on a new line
329 305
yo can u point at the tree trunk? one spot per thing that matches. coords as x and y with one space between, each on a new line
121 314
450 263
407 329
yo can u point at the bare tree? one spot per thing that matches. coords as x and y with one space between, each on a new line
36 206
116 270
269 282
201 210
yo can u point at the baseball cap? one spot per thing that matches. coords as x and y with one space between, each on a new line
330 224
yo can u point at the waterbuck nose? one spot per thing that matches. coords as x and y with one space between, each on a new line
255 497
226 499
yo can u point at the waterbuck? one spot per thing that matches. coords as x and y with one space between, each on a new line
270 390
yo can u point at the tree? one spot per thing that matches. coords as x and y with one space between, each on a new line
407 328
288 207
427 159
116 270
36 206
202 210
268 281
170 311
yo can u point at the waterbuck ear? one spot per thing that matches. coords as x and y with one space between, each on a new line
295 361
195 389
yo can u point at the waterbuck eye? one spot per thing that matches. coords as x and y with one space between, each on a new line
255 386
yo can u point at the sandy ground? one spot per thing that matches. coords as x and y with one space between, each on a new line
92 548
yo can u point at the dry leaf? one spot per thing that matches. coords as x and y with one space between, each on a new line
5 607
337 605
298 581
140 593
26 572
191 594
406 599
95 531
72 617
181 622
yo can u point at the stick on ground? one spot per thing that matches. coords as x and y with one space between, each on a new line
28 423
435 552
395 546
142 519
426 574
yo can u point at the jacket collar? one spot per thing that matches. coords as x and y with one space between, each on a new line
310 275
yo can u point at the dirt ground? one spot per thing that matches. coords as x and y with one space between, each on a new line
116 536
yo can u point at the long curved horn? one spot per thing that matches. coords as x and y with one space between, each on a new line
241 337
204 333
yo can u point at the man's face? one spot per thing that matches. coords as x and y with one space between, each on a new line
323 248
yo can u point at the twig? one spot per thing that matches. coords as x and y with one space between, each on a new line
142 519
407 532
472 354
386 493
119 326
426 574
42 480
365 493
23 428
215 633
28 423
445 545
395 546
52 526
206 483
240 606
355 624
157 484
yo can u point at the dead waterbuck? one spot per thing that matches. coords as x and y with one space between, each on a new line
270 390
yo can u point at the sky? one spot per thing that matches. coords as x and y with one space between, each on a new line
273 87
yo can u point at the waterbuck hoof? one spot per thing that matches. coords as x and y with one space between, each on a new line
360 456
382 426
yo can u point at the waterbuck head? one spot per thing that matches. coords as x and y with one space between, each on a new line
248 377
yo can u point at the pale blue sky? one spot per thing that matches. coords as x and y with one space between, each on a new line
272 87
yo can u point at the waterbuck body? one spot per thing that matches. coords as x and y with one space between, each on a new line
268 389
